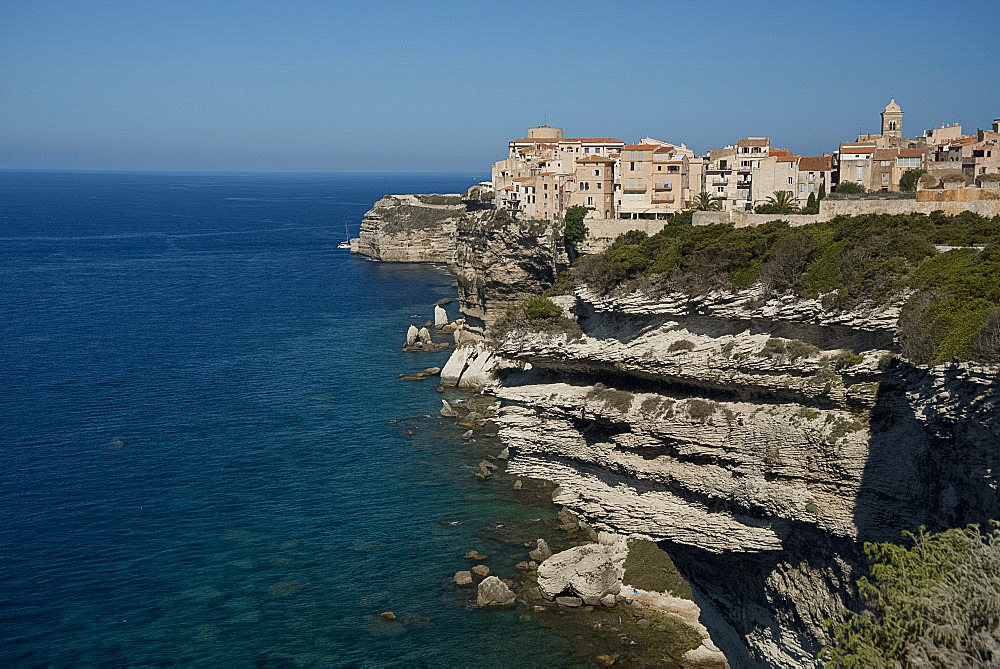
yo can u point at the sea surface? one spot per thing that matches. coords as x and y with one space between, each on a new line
204 456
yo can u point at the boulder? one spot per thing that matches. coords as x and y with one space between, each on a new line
518 485
430 371
424 335
484 470
569 601
456 364
523 566
440 317
411 335
447 411
463 577
494 592
504 454
389 615
591 571
542 552
705 655
472 420
467 435
481 570
609 600
443 301
475 555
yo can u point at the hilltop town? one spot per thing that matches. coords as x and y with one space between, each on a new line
545 173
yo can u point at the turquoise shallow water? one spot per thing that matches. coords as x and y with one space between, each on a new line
199 463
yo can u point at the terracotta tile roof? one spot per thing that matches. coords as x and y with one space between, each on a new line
552 141
857 149
911 153
781 153
591 140
753 141
522 178
595 159
640 147
885 154
814 164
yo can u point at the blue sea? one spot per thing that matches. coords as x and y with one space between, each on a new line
204 442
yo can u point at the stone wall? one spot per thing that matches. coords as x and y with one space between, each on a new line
602 233
830 208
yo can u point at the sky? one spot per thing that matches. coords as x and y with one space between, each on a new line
442 86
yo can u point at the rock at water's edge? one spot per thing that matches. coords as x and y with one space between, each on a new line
463 577
493 591
447 411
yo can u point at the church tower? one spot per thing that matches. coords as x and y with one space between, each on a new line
892 120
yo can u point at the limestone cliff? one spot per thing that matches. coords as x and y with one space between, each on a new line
412 228
760 440
501 261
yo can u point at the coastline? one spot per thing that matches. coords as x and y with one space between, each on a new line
632 626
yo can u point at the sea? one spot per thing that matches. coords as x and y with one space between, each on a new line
206 455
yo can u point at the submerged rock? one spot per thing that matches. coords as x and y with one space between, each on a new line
475 555
389 615
494 592
569 601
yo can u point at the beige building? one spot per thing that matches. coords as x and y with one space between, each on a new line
878 169
813 172
593 186
655 179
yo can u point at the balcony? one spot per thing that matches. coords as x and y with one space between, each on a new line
663 187
720 182
634 189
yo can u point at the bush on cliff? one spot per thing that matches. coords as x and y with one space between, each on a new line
851 259
538 314
574 229
936 603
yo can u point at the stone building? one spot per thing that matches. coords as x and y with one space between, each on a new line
892 120
593 186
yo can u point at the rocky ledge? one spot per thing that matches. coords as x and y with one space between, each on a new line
758 439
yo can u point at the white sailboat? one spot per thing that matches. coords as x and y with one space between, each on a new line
346 244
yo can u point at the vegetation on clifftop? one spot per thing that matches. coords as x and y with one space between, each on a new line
936 603
954 313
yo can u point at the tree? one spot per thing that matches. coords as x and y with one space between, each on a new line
908 182
822 192
782 202
706 202
574 229
849 188
812 204
933 604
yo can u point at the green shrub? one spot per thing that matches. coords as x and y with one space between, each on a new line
681 345
563 286
620 400
700 409
848 188
574 230
540 307
935 603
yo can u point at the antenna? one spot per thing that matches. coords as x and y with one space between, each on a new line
545 117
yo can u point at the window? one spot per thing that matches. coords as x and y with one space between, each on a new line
597 149
790 181
860 169
720 189
631 166
812 188
802 187
886 163
812 176
638 182
885 177
597 173
631 183
587 150
908 161
590 201
598 185
659 168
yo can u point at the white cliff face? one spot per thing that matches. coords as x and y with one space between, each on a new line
412 228
760 440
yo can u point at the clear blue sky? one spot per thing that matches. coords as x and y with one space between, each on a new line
442 86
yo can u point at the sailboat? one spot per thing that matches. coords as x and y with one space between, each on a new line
346 244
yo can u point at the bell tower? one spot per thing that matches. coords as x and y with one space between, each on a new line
892 120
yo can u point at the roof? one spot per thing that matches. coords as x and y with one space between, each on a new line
521 179
552 141
753 141
814 164
669 148
857 149
911 153
641 147
594 159
885 154
892 106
